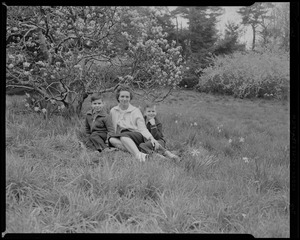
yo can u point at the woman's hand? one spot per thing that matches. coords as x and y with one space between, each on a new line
155 143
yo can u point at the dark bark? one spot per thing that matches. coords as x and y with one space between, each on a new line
81 99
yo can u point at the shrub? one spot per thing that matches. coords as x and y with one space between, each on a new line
189 82
252 74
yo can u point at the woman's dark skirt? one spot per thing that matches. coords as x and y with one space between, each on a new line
137 137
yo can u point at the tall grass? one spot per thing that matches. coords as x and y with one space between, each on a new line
233 177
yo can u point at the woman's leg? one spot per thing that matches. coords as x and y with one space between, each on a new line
117 143
131 147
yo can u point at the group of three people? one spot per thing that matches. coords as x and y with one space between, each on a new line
125 127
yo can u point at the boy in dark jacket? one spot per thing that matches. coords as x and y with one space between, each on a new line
97 125
155 128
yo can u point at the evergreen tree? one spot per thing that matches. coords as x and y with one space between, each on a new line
229 43
202 33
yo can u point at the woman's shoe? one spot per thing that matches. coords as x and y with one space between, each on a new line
172 156
143 157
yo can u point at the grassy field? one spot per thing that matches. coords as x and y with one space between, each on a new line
233 178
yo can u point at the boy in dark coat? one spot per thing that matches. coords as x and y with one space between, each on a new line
155 128
97 125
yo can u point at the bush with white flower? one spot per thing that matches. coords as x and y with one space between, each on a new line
252 74
62 56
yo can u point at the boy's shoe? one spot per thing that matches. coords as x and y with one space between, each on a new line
172 156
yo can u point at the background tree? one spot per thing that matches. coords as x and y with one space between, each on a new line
230 42
254 16
280 25
202 35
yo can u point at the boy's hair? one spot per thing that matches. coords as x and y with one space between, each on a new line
149 105
96 96
123 88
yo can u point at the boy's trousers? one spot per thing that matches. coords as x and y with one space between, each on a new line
148 148
96 141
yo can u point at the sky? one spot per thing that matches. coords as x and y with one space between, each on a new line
230 14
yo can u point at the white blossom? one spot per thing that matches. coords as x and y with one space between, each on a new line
36 109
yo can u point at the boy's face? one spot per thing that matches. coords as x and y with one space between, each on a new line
98 105
150 112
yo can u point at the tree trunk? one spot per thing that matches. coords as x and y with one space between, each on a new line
254 35
177 43
81 99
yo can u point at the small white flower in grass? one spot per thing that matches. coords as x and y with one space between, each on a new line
176 121
244 215
195 152
230 140
185 86
26 64
10 65
245 159
62 106
52 101
44 110
36 109
242 139
195 124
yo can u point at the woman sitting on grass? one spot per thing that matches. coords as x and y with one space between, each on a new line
129 126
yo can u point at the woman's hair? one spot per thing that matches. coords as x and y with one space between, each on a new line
123 88
96 96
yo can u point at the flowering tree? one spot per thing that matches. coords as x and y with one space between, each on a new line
66 53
